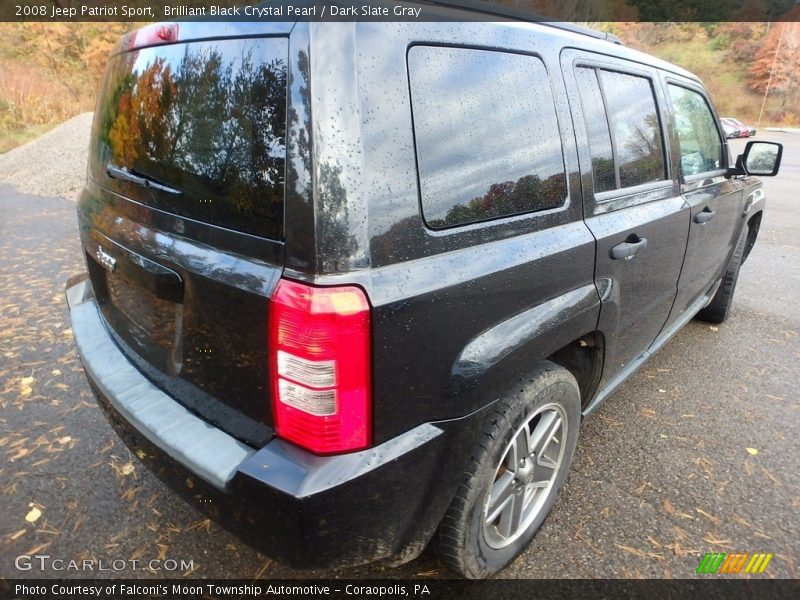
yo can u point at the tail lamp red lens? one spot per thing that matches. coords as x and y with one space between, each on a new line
320 366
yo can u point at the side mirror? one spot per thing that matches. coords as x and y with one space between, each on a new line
760 158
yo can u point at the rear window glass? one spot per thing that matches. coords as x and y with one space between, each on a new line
486 134
207 119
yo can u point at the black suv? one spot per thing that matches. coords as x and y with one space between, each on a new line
352 287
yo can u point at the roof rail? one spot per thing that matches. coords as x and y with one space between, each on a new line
499 10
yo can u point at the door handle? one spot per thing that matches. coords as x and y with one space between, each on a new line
704 216
629 247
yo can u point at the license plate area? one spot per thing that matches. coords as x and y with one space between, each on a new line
154 316
149 325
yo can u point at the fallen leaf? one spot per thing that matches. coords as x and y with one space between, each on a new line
710 517
33 515
671 510
55 372
127 469
65 440
19 454
639 553
26 381
751 451
715 541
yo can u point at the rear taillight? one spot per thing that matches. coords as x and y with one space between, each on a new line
320 366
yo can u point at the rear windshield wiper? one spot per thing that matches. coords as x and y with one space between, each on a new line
148 182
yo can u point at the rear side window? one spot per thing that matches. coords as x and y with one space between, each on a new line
597 129
701 146
620 111
207 119
486 134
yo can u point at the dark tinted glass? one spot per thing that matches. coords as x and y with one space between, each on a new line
205 118
597 130
701 146
487 138
635 127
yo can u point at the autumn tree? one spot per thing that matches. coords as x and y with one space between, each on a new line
776 63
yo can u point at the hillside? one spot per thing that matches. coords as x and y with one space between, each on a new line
734 60
51 71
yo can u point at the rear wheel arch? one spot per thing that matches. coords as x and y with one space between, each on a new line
548 391
583 357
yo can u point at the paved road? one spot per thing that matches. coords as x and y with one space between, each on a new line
663 472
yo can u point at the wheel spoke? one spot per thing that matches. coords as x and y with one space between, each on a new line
545 431
543 475
499 497
519 449
545 464
524 478
511 519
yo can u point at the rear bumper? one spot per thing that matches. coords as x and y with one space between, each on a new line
307 510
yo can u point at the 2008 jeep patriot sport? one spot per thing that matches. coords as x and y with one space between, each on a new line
352 287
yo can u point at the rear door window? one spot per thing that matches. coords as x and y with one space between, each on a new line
635 128
206 119
486 133
597 128
624 128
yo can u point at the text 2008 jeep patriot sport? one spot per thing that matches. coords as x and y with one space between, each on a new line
352 286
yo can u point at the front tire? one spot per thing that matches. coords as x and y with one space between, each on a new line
521 461
719 309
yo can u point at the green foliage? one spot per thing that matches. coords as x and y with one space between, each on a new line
720 42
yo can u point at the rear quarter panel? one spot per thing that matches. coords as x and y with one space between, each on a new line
459 314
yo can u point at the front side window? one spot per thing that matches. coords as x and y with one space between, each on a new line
701 146
486 134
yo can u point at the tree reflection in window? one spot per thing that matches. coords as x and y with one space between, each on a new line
208 119
486 135
525 194
635 127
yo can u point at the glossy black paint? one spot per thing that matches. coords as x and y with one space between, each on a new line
319 512
209 350
459 315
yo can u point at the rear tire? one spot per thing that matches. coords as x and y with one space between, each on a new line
519 464
719 308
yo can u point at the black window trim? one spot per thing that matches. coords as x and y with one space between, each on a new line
641 193
668 81
501 220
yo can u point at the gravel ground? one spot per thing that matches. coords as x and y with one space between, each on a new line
51 165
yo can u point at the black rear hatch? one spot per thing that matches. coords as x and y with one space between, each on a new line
182 219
